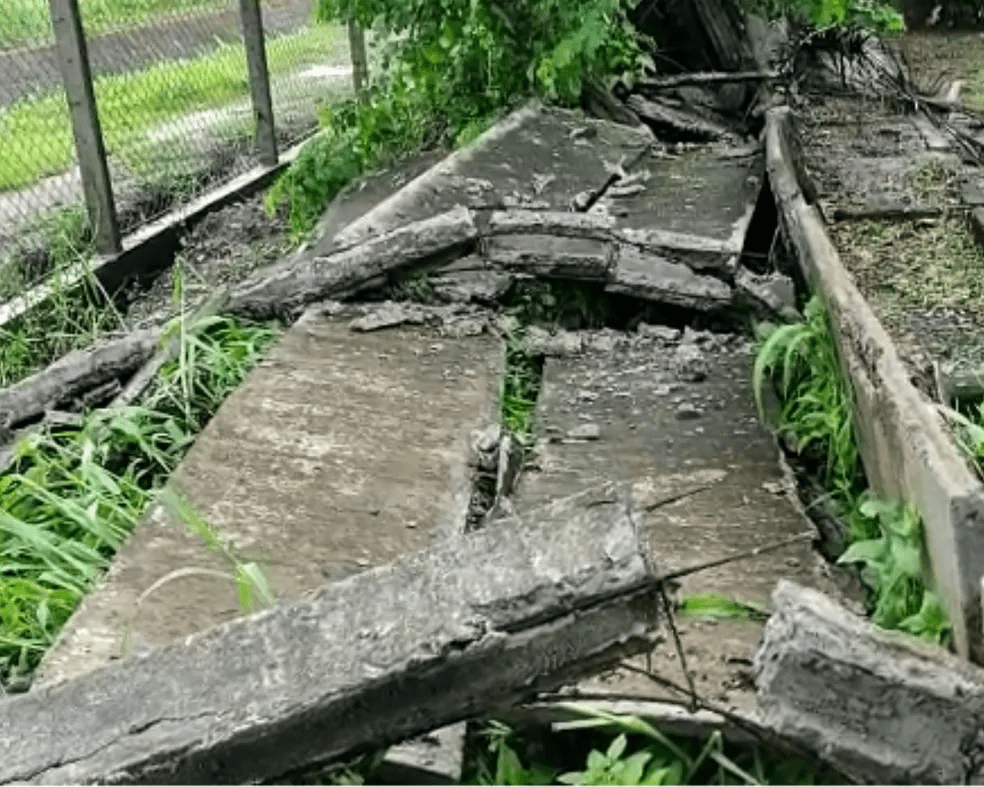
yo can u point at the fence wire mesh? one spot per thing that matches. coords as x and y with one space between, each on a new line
172 91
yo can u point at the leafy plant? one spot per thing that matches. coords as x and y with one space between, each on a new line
448 67
815 407
715 606
895 571
815 412
639 753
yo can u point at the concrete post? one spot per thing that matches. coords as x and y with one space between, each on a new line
259 80
73 61
360 63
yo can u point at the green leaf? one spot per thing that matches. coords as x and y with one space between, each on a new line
871 551
714 605
617 747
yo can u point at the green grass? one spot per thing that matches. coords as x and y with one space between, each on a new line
36 136
28 22
64 322
816 415
72 495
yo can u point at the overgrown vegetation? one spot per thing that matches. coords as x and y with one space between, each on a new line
815 416
73 493
447 69
639 753
68 320
872 15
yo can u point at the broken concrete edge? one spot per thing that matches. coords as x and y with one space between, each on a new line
149 249
907 452
431 639
387 214
879 705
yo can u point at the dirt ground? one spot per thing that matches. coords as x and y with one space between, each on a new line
938 59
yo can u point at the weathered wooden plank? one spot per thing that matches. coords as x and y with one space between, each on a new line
381 656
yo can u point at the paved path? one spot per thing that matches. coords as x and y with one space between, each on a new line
346 449
705 478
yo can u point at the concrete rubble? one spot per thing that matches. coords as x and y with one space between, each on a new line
433 638
877 704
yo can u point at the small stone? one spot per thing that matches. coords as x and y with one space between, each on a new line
663 333
584 432
687 412
689 363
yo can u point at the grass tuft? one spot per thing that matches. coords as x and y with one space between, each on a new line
72 495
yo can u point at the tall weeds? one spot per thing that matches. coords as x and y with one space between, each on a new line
815 415
72 495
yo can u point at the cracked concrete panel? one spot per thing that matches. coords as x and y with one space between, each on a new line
537 158
707 191
342 451
705 478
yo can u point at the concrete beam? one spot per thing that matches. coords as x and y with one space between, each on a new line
908 453
384 655
876 704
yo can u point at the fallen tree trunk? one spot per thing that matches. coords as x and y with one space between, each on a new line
74 374
880 706
290 287
386 654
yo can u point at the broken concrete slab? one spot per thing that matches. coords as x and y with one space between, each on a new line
387 654
767 295
883 707
341 451
288 287
552 256
652 277
470 279
536 158
555 222
907 453
676 124
698 199
703 488
434 758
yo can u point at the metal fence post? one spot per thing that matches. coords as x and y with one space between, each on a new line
73 61
357 51
259 80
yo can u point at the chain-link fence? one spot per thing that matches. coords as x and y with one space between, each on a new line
171 81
